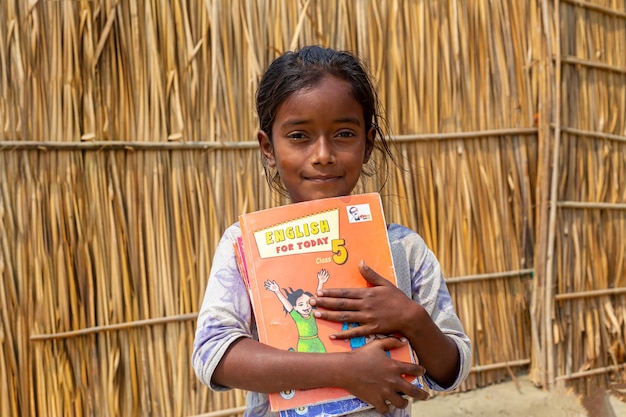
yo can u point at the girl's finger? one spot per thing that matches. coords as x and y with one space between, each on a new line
341 292
358 331
373 277
336 316
398 401
336 304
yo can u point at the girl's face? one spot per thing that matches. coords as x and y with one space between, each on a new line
302 306
319 141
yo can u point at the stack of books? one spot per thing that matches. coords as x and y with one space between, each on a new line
286 254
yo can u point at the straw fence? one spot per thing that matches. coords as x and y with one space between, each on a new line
127 146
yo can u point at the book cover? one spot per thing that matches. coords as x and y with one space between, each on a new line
286 254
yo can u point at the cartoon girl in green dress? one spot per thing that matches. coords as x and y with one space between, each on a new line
296 304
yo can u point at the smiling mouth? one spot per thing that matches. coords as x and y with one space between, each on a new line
323 179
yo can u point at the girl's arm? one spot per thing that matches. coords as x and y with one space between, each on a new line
437 352
225 355
384 309
275 288
366 373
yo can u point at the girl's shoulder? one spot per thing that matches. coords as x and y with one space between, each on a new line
408 242
234 228
232 232
398 233
225 247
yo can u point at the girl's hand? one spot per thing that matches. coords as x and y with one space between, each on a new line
375 378
379 309
271 286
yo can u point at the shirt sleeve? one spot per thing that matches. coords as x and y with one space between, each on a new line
225 314
428 288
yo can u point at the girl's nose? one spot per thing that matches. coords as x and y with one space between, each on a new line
324 153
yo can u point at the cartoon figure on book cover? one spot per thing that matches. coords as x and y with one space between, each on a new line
296 304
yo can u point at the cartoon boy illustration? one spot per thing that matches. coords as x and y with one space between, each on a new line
296 304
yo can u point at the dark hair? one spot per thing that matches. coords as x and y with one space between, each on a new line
293 295
305 68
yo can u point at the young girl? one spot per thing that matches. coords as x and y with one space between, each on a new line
319 124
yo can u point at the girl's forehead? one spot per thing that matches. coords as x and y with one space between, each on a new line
328 82
331 95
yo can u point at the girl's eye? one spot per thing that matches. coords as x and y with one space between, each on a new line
296 136
345 134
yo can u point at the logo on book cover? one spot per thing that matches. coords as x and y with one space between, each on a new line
359 213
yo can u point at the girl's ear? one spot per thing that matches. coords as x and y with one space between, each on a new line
267 149
369 144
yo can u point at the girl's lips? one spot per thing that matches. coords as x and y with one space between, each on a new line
322 179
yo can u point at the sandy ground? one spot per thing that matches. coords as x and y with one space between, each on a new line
510 399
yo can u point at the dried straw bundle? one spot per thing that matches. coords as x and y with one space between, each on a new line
580 290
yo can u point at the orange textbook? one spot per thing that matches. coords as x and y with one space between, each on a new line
286 254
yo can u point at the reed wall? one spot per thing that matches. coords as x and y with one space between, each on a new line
127 146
